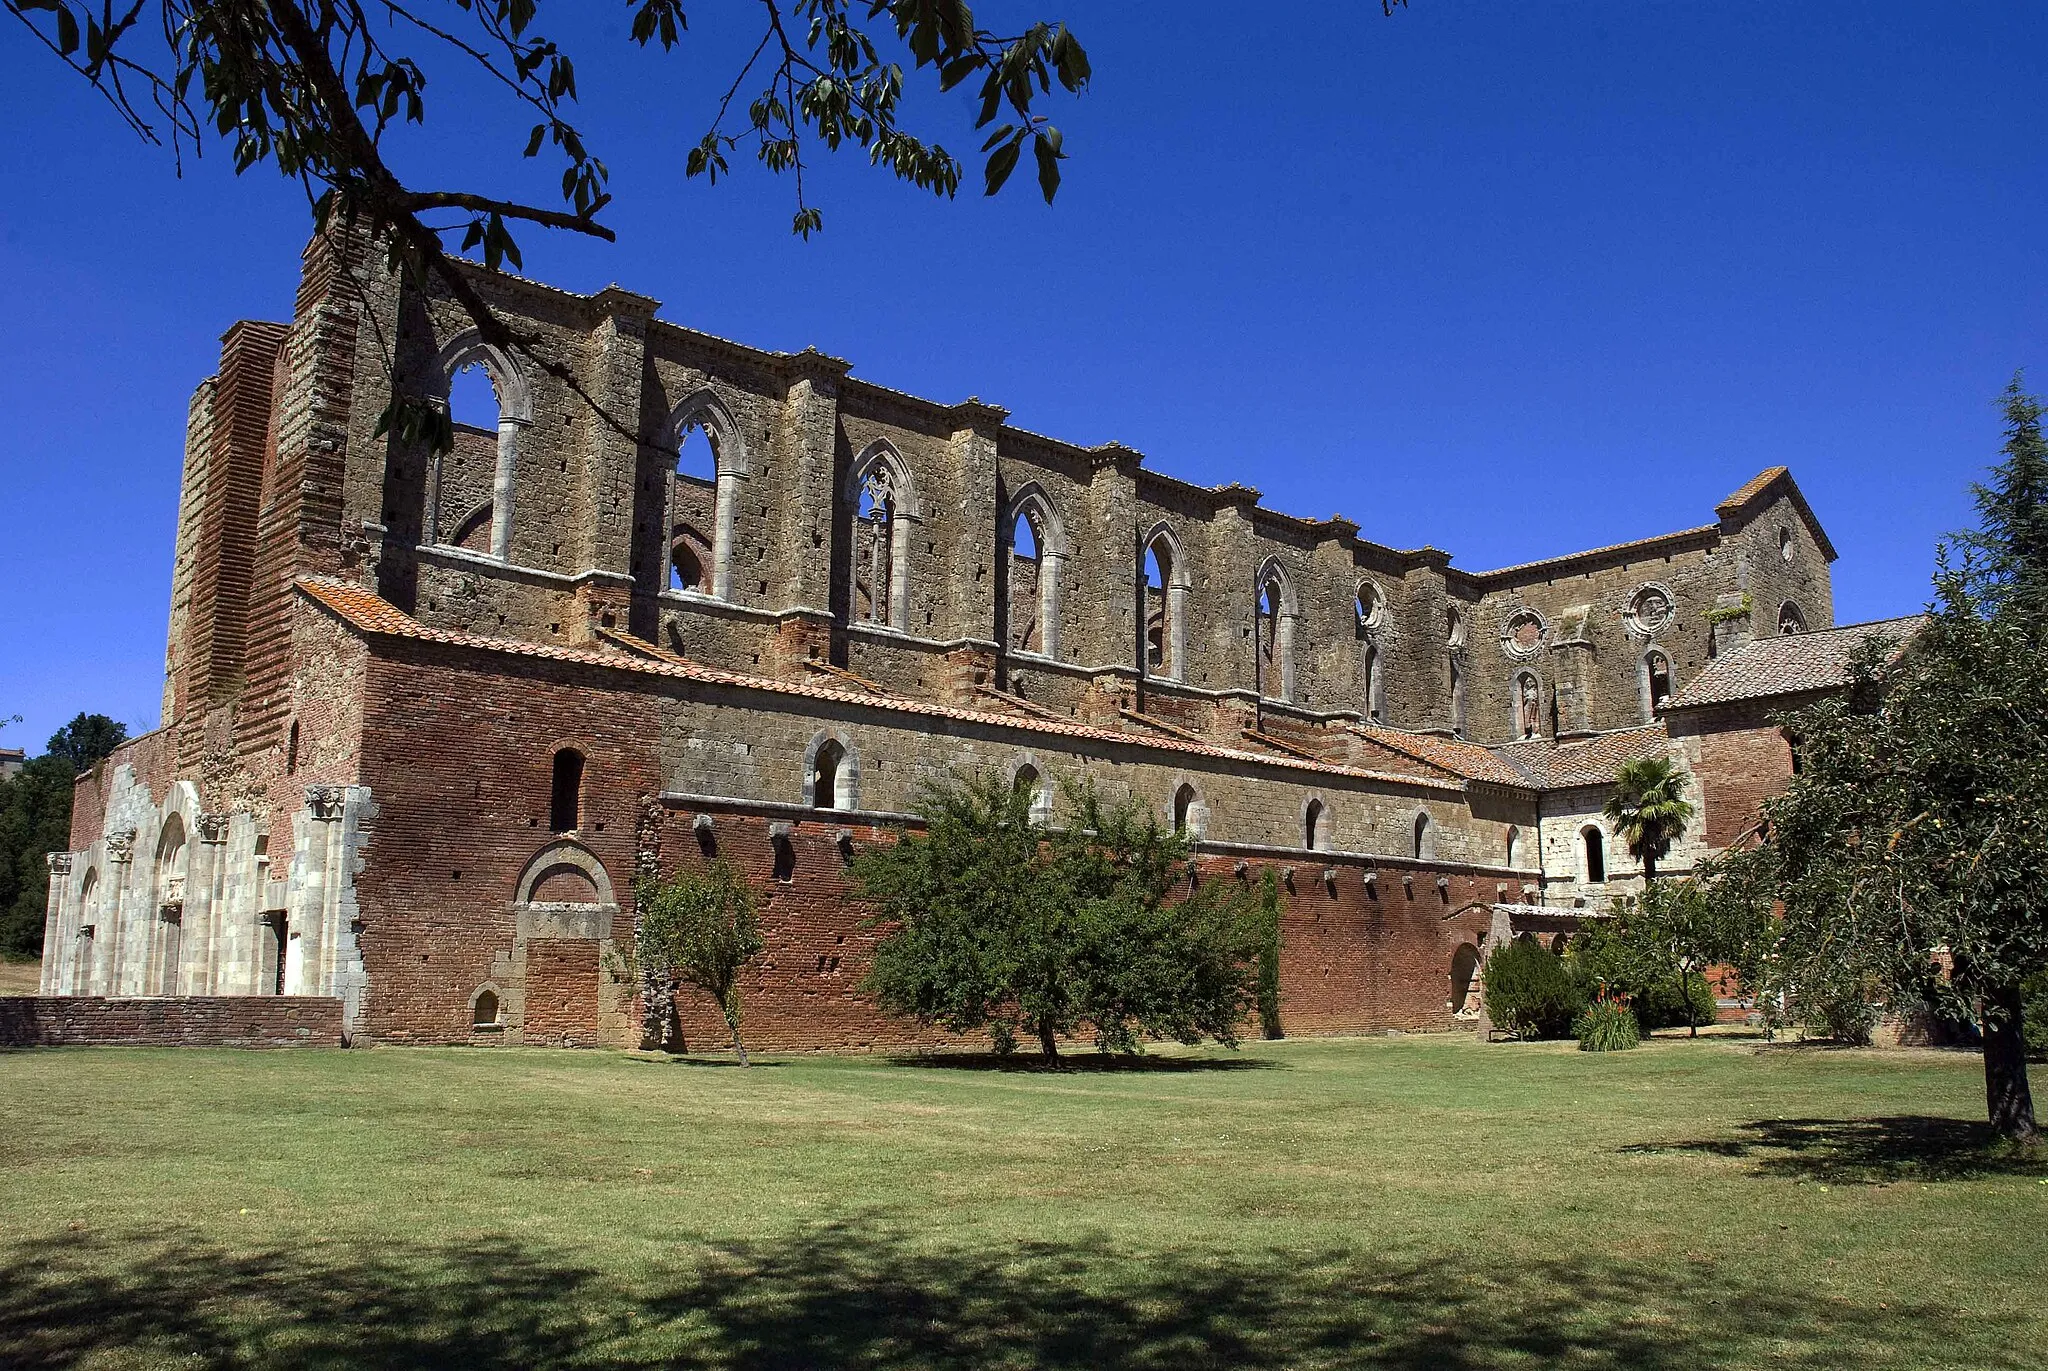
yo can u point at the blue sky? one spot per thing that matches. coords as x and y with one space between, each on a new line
1505 278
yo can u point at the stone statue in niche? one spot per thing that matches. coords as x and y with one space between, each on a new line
1528 706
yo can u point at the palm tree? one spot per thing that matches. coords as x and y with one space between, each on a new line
1649 810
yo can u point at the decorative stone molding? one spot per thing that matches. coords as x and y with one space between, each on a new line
212 828
1523 634
59 863
326 801
121 846
1650 610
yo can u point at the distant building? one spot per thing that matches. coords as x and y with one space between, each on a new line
12 759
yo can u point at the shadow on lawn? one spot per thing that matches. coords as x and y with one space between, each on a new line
1905 1147
850 1297
1098 1062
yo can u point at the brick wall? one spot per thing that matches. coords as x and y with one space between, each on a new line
1741 759
188 1021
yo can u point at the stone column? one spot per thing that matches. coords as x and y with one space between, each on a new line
502 484
58 915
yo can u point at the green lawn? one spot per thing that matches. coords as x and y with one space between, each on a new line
1411 1202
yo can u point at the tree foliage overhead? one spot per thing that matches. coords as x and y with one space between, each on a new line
1907 853
1006 927
35 820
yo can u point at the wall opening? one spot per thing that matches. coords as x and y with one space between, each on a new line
1312 825
291 749
826 776
1464 974
466 476
1457 698
1514 845
1595 844
1030 788
1184 810
566 798
1026 567
270 953
1790 620
1656 684
874 559
1163 633
486 1010
1375 686
693 505
1425 839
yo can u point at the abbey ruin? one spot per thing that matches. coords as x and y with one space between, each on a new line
425 717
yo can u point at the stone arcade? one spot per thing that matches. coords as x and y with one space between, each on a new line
425 718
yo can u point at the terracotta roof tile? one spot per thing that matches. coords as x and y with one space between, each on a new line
370 614
1467 760
1790 664
1753 487
1554 764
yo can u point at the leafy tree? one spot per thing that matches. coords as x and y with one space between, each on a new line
1906 854
35 820
699 927
1655 948
1001 926
1649 810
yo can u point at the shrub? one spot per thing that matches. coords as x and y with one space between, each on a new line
1607 1026
1528 991
1662 1005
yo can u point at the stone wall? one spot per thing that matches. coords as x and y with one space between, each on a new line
186 1021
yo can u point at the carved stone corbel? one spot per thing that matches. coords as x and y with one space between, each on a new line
326 801
121 846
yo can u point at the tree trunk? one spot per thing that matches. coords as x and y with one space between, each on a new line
732 1021
2006 1096
1048 1041
1692 1028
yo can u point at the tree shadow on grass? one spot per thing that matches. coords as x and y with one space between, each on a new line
1874 1151
1103 1063
852 1295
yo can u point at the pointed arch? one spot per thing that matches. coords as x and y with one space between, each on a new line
703 411
883 499
1653 683
1163 608
1277 613
510 384
1049 538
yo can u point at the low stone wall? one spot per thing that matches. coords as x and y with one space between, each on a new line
173 1021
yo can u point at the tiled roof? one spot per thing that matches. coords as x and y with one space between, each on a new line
1787 665
1753 487
1554 764
369 614
1468 760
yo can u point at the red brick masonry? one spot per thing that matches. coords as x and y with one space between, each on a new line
184 1021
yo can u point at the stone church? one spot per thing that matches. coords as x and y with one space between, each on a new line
425 716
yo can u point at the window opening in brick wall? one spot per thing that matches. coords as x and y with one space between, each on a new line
1596 854
566 797
785 857
485 1014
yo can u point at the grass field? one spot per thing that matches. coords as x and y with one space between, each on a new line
19 977
1405 1202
